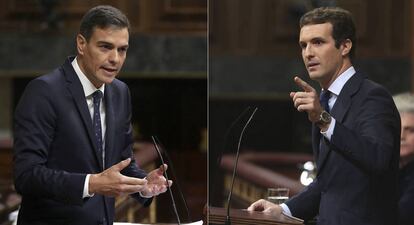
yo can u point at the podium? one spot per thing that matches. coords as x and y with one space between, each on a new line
193 223
244 217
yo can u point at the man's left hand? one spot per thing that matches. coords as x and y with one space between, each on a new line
157 183
265 207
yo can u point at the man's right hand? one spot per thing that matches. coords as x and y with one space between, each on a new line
112 183
266 207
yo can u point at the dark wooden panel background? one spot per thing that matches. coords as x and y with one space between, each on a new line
146 16
270 27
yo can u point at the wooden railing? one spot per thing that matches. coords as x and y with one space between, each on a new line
258 171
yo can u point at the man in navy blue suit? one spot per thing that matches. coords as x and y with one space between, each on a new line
405 105
73 137
355 135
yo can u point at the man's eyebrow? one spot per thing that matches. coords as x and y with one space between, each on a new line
105 43
317 39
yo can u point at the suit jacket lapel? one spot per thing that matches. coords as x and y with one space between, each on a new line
110 123
75 88
320 148
338 112
344 99
324 151
316 137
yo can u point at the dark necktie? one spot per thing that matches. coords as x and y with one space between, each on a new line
324 99
97 96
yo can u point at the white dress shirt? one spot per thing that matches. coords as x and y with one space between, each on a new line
89 89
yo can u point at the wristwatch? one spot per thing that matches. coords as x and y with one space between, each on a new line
324 118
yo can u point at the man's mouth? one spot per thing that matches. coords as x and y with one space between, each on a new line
312 65
110 69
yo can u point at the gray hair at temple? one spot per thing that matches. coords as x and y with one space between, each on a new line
404 102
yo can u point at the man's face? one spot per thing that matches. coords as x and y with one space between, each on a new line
322 59
407 136
101 58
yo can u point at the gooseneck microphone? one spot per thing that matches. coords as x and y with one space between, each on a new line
172 171
226 138
228 220
166 177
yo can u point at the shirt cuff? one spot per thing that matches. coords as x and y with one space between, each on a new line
285 209
329 132
142 195
86 188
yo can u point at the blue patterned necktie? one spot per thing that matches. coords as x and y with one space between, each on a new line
97 96
324 99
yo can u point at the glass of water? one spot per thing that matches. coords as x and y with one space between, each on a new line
278 195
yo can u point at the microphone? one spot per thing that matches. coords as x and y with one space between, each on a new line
172 170
228 220
226 135
226 138
166 176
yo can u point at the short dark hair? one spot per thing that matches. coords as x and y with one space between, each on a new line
343 26
102 16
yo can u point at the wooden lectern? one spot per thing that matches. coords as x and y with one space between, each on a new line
244 217
121 223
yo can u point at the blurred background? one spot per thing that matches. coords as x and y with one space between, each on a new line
166 70
253 57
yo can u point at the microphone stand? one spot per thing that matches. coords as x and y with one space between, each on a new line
172 170
226 138
168 186
228 220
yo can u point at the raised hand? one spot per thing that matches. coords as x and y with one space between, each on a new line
307 100
112 183
157 183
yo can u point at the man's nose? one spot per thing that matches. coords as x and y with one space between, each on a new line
308 51
114 56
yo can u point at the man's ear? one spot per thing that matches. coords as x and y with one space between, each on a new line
80 44
346 47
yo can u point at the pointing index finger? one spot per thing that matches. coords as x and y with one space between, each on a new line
305 86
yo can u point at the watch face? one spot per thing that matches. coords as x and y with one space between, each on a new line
325 117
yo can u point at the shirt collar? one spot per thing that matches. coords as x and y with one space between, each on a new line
87 85
339 82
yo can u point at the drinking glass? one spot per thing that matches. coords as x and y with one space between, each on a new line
278 195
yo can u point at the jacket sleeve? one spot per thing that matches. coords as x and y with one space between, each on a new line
375 135
34 127
305 205
406 201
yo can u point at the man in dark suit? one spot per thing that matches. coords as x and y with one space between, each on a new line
405 105
73 137
356 131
